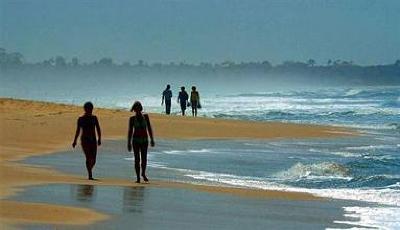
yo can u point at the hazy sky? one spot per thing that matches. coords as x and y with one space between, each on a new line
367 32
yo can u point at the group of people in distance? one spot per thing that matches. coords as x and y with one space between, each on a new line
139 129
183 100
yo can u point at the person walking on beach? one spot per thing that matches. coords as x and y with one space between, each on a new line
183 99
89 124
139 126
166 96
194 101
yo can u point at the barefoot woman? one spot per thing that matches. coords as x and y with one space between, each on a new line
139 126
88 123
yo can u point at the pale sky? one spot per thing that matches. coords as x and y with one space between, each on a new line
366 32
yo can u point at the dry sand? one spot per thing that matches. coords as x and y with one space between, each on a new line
29 128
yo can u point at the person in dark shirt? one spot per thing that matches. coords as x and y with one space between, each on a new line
89 124
183 99
166 96
139 126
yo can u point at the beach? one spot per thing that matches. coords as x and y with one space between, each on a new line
289 124
30 128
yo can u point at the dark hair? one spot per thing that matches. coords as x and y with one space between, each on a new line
168 86
193 87
88 106
183 88
137 106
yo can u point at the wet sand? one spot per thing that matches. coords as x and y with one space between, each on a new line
30 128
170 208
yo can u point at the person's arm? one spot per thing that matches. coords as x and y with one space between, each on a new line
77 132
149 129
178 99
162 99
130 132
98 131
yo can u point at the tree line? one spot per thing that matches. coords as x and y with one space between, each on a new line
332 67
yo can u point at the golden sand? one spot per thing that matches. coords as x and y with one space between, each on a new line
30 128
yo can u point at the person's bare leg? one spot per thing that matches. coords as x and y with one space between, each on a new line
137 162
89 169
92 162
143 153
90 151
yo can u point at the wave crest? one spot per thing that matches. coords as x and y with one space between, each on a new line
324 169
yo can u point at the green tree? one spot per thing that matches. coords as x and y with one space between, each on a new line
60 62
106 62
266 64
311 62
75 62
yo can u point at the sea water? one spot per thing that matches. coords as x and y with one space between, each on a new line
364 168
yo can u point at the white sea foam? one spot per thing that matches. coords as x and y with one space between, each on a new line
367 127
200 151
174 152
386 196
396 185
371 147
319 170
353 92
338 153
375 217
183 152
380 158
346 154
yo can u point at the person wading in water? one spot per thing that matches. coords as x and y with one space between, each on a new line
183 99
166 96
194 101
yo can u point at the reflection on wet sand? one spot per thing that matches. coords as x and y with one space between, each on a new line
146 207
133 199
84 192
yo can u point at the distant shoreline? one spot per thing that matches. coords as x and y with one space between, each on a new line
301 72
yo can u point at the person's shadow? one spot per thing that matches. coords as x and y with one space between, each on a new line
133 199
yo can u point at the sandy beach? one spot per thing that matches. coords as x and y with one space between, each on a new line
30 128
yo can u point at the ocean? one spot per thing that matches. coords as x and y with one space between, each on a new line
362 168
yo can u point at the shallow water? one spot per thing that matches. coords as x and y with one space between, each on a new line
158 208
307 165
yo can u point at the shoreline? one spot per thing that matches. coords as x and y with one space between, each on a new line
31 128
